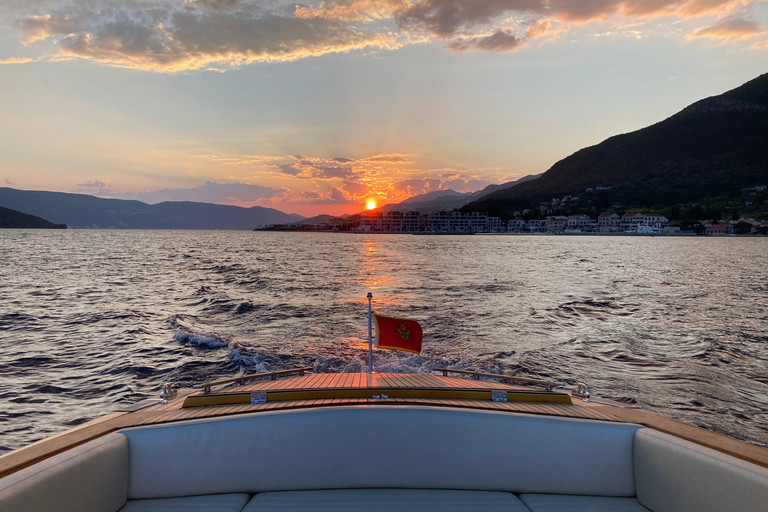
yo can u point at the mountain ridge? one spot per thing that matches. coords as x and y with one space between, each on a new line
712 145
86 211
438 200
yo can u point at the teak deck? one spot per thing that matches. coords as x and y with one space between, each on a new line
335 389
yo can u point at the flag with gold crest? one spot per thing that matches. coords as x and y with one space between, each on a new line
398 333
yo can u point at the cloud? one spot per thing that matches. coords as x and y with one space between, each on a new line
730 30
355 189
465 184
394 158
326 173
351 10
218 35
448 18
209 192
166 36
9 183
467 24
341 180
449 181
289 169
499 41
544 29
17 60
38 28
416 186
93 184
217 5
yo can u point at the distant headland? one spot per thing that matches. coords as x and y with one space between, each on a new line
12 219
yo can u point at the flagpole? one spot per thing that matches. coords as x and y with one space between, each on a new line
370 335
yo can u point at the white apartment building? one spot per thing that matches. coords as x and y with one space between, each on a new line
458 222
495 225
608 219
581 222
631 221
656 221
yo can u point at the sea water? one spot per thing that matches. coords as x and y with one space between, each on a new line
94 320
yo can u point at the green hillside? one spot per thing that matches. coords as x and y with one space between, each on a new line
713 148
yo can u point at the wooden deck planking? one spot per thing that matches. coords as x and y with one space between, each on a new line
173 412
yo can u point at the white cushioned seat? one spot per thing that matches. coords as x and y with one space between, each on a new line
674 475
91 477
211 503
570 503
385 500
395 447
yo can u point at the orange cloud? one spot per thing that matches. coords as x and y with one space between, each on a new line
218 35
730 30
160 36
17 60
390 177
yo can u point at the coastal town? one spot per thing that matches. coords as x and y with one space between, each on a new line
570 214
460 222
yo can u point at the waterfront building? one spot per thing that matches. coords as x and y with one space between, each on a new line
719 229
389 221
516 226
581 222
495 225
537 225
456 221
557 223
656 221
608 223
631 221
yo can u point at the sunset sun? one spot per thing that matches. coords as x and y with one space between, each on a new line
371 205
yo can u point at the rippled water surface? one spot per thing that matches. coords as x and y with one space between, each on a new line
91 320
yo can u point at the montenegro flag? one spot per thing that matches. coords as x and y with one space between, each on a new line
398 334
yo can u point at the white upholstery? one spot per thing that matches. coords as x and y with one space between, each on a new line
381 447
92 477
213 503
674 475
569 503
385 500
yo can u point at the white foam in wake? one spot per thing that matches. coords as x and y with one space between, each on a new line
203 340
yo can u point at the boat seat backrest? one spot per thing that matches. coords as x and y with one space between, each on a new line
381 447
92 477
674 475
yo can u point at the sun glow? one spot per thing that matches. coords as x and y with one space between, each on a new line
371 205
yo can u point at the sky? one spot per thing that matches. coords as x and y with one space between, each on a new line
320 107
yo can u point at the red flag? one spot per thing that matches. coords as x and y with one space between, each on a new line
398 334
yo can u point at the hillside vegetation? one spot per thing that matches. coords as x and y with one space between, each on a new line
715 147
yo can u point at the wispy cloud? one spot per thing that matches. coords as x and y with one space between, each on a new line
17 60
395 158
93 184
728 30
209 192
499 41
